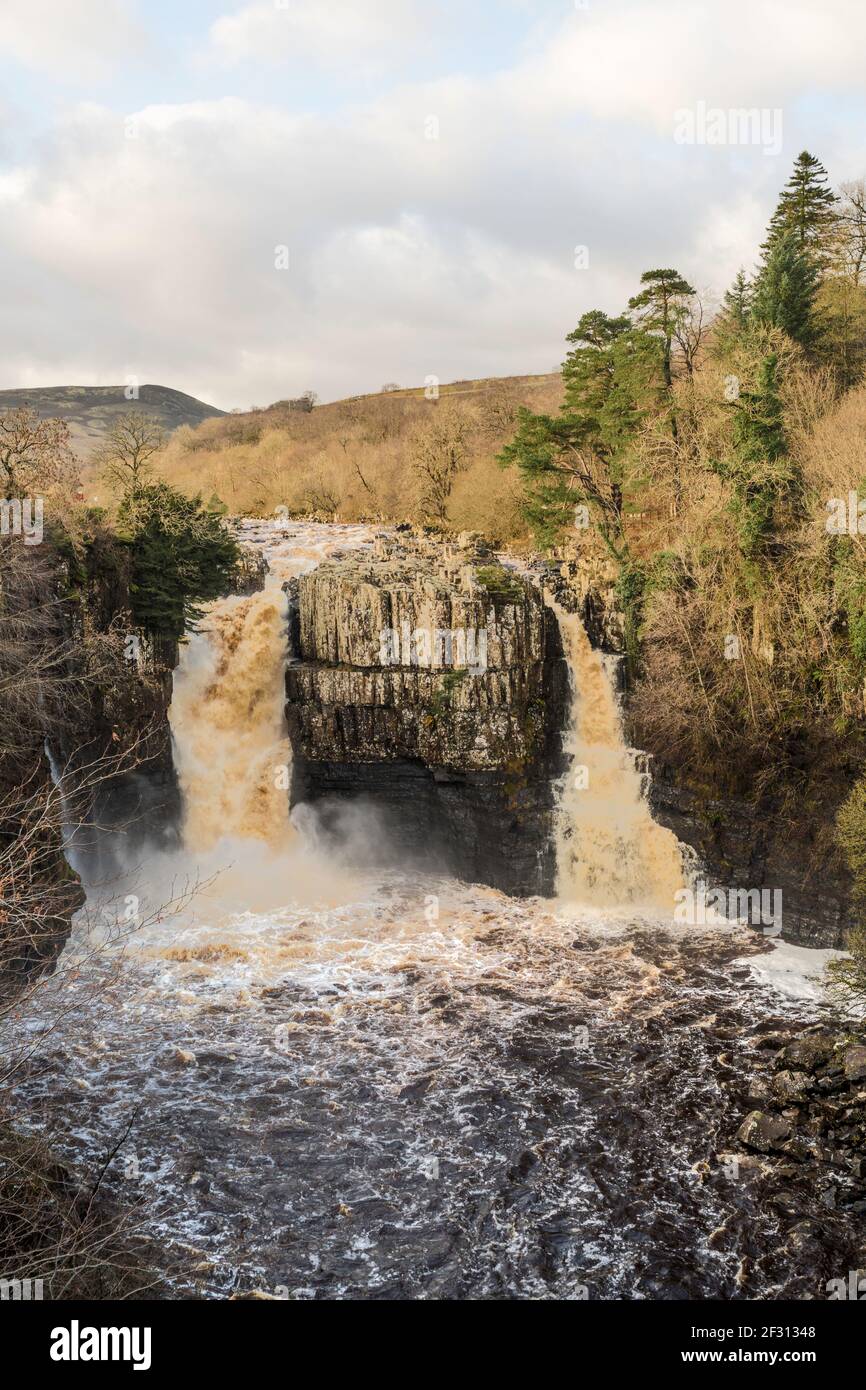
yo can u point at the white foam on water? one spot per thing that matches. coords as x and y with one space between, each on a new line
795 972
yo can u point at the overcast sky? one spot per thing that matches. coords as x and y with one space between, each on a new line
429 167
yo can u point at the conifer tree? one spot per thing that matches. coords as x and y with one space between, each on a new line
182 556
734 318
785 290
658 309
759 433
737 302
580 457
807 210
759 469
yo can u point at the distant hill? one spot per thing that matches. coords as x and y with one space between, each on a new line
90 410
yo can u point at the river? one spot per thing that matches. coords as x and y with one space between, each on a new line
332 1081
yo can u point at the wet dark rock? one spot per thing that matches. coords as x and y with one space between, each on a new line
417 1090
806 1053
823 1110
763 1132
789 1203
768 1040
740 846
855 1063
251 571
792 1085
758 1092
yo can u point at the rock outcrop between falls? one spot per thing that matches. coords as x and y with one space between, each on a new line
430 691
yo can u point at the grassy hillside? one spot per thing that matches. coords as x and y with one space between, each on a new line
359 458
91 410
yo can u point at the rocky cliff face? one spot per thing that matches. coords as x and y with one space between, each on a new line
752 846
430 685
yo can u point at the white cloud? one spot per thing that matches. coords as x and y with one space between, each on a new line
73 38
627 59
327 32
408 256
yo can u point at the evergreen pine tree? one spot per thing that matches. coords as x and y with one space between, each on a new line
807 210
600 376
735 315
737 302
759 469
658 308
759 434
580 457
785 290
182 556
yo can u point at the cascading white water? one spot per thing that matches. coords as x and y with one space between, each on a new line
68 824
610 851
241 852
232 751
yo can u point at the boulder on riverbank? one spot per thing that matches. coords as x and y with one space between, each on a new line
812 1120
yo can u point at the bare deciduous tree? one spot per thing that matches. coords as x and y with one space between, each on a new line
35 455
501 403
690 330
125 458
852 222
439 453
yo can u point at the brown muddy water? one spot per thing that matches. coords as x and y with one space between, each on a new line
336 1082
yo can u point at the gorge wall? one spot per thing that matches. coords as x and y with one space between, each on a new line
754 844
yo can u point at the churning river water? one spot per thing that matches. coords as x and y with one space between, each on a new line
330 1082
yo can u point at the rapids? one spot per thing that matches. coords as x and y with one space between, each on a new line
336 1082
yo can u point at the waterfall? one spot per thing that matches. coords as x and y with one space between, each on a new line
610 851
227 716
68 824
